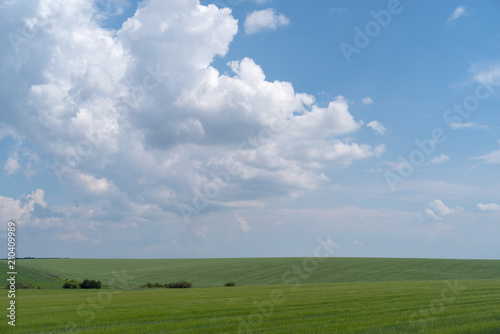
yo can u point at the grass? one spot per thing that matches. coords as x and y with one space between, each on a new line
363 307
339 295
30 275
257 271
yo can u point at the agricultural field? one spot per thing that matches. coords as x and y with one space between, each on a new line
260 271
445 296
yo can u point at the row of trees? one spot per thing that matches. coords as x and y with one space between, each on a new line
175 285
172 285
92 284
86 284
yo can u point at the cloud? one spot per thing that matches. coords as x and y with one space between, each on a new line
487 75
338 9
437 209
488 207
377 127
22 209
405 165
357 243
135 122
332 243
439 159
492 158
111 8
12 164
367 100
457 13
456 126
267 19
243 224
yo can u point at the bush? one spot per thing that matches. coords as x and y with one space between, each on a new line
90 284
230 284
153 285
180 285
68 285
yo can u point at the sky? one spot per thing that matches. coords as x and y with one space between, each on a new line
250 128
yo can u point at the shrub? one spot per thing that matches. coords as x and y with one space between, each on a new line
230 284
180 285
68 285
90 284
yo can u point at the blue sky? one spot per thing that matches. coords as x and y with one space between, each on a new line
249 128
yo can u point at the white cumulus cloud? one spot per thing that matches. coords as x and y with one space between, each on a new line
267 19
137 121
437 209
21 209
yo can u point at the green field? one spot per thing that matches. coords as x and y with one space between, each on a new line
380 307
262 271
339 295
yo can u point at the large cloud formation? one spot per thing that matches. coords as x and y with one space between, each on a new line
138 121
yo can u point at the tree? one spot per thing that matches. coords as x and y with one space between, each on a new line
90 284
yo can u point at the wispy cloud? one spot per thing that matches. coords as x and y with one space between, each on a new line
243 224
457 13
339 9
491 158
439 159
377 127
457 126
367 100
488 207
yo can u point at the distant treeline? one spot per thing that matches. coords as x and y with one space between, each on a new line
36 258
